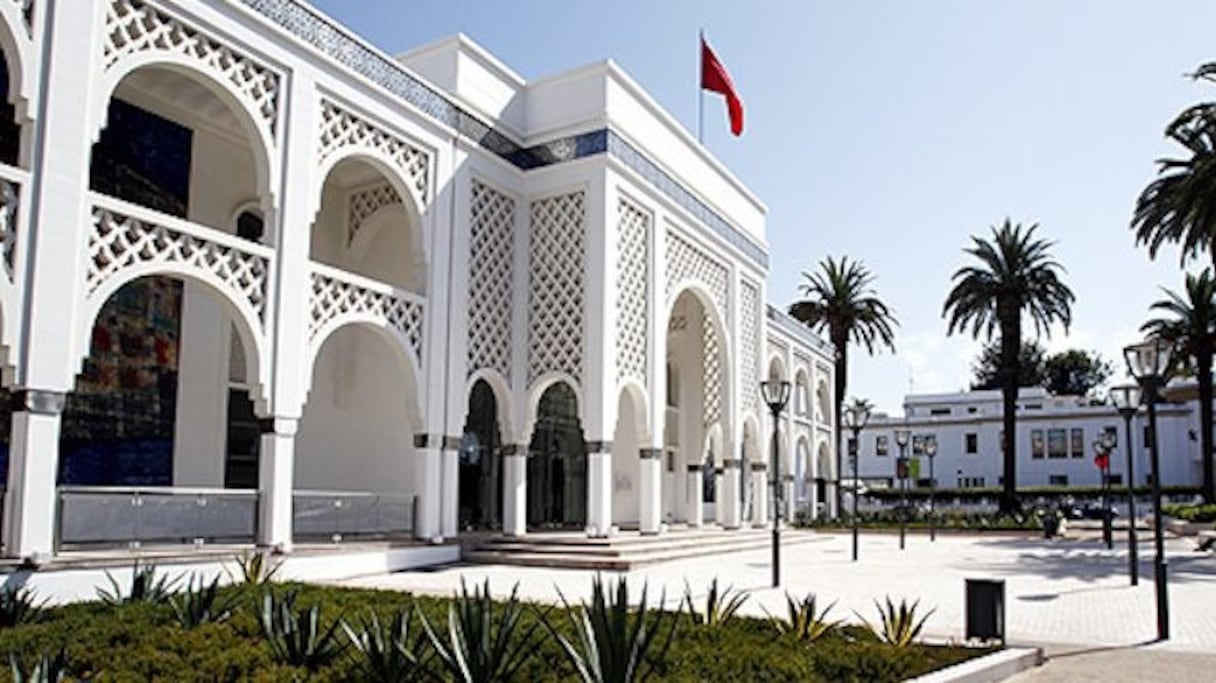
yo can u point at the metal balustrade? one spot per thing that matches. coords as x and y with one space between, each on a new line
137 516
339 515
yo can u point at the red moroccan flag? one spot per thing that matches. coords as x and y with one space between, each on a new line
1102 460
714 78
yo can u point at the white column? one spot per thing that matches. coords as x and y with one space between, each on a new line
759 475
276 479
449 484
29 505
696 507
729 503
650 490
200 429
599 488
515 490
429 477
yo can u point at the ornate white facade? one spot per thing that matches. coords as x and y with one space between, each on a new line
438 244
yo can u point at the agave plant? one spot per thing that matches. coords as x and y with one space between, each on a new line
46 669
19 606
720 605
145 587
385 652
803 619
899 624
201 603
255 569
483 644
614 646
295 636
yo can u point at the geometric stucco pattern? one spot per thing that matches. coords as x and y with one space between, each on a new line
364 202
336 295
9 197
749 346
632 291
491 272
712 372
341 128
133 27
556 275
686 262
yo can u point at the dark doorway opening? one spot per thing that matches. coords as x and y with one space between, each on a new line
557 463
481 462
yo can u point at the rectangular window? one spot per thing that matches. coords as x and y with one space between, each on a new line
1037 447
1057 443
972 409
1058 480
851 446
1116 480
881 446
1076 442
939 411
971 443
1147 436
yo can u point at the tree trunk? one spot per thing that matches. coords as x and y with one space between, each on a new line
1011 344
842 368
1204 361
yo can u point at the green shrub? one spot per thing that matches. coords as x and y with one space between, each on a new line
19 606
46 669
145 587
899 624
385 654
201 604
296 636
720 605
803 619
484 644
1202 514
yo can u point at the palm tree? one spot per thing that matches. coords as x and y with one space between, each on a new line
1016 276
1180 205
1189 321
840 298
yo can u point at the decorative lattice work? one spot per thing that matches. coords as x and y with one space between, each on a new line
133 26
686 262
712 372
364 203
632 291
119 241
10 193
336 297
556 276
491 269
341 128
749 346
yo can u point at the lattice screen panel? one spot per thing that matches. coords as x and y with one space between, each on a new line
333 297
366 201
686 262
712 372
341 128
10 194
491 273
556 277
632 291
118 242
133 27
749 346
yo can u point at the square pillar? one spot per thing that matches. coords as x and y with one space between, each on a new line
650 490
276 482
695 508
599 488
449 487
515 490
429 475
789 505
30 502
729 504
760 515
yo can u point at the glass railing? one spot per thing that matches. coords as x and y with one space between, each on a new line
137 516
338 515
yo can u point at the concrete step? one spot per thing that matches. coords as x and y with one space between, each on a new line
654 543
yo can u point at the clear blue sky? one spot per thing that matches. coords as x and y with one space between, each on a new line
892 131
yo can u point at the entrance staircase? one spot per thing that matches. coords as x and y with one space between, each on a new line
627 550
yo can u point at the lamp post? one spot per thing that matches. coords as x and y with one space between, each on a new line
901 470
931 450
855 418
1127 399
1149 362
776 393
1102 449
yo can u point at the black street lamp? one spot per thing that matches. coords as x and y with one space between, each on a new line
1102 448
1149 363
902 436
931 450
855 418
776 394
1127 399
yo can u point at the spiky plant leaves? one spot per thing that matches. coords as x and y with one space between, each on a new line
483 644
45 669
900 626
201 603
721 605
145 587
295 636
385 651
257 568
18 605
803 619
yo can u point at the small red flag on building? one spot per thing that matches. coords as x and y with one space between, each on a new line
1102 460
715 79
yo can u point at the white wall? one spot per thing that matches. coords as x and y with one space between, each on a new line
625 464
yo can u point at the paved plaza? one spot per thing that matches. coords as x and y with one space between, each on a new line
1072 596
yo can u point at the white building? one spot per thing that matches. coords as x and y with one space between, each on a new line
294 287
1054 441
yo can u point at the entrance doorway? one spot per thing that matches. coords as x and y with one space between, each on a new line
557 463
481 462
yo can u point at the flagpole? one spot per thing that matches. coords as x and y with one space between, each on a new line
700 89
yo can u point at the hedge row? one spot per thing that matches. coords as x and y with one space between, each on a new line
993 494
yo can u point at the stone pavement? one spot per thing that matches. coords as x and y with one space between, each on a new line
1068 596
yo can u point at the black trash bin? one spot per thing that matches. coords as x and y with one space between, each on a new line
986 609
